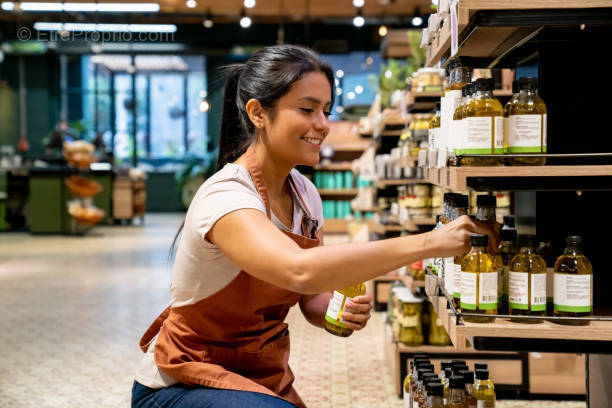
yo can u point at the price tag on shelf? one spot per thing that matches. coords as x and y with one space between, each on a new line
433 159
423 158
442 158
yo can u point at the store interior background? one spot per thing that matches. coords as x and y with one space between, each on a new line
77 297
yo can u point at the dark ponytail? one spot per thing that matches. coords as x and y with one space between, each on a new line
266 76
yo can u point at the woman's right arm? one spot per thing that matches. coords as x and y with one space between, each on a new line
253 243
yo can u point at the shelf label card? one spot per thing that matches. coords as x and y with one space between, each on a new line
573 293
449 275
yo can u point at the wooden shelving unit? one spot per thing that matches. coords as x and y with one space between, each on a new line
335 225
340 192
398 182
340 166
366 209
411 283
383 229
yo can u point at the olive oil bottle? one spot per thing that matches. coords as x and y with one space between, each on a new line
435 395
468 376
458 126
434 130
485 126
507 250
483 390
527 124
527 282
459 76
456 393
573 281
479 281
453 265
333 318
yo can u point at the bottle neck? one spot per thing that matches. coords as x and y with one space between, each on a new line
460 75
456 395
527 92
435 402
486 94
479 249
573 250
458 212
527 250
486 214
469 389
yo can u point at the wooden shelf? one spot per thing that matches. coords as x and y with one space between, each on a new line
424 221
411 283
366 209
342 192
505 178
398 182
340 166
407 161
335 225
383 229
355 146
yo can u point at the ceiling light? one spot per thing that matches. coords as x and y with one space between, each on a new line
434 2
351 95
339 109
87 7
249 3
204 106
339 73
358 3
336 82
359 89
203 94
191 3
245 22
417 21
208 23
358 21
134 28
369 60
382 30
388 74
338 91
8 6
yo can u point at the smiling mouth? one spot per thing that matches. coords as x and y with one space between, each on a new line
313 140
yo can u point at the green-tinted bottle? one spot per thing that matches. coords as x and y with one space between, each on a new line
479 281
573 291
527 282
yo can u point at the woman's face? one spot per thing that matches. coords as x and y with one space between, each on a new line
300 121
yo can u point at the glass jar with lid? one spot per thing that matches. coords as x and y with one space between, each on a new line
411 325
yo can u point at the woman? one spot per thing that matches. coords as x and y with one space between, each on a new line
251 248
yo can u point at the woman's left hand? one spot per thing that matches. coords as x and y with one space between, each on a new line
357 311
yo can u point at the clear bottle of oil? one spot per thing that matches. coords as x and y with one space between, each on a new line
573 281
457 129
422 388
468 376
456 393
448 373
459 75
434 130
484 366
479 281
334 323
527 282
527 124
512 101
460 208
484 392
435 395
420 368
507 250
437 333
484 127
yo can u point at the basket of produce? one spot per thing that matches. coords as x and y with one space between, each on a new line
85 215
79 153
82 186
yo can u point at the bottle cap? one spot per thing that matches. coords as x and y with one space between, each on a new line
429 376
448 196
515 87
455 63
435 389
438 218
446 364
470 89
421 372
448 372
482 374
509 221
464 90
461 201
486 201
467 375
481 366
419 354
458 368
527 241
507 235
457 381
484 84
575 240
416 362
479 240
530 83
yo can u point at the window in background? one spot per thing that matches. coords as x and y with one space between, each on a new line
167 115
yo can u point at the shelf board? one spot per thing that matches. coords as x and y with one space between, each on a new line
366 209
424 221
383 229
411 283
407 161
339 166
335 225
398 182
341 192
503 178
356 146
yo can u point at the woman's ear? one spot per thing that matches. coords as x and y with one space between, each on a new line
256 113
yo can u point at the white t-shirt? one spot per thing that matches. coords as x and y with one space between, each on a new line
200 268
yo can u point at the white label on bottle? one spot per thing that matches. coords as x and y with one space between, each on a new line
550 277
485 404
410 321
407 399
468 290
335 308
415 404
457 281
449 275
573 293
487 297
526 134
439 322
447 109
432 142
538 291
518 295
484 135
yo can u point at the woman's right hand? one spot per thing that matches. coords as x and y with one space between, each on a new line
454 238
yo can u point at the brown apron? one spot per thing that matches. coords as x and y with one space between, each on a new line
235 339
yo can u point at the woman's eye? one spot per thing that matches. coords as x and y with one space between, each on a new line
327 114
307 110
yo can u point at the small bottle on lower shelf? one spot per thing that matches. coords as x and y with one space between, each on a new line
484 392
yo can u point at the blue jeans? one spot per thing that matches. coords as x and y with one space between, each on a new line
184 396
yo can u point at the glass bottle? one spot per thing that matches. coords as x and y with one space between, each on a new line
437 333
435 395
448 373
509 222
453 264
421 371
434 129
422 388
546 251
468 376
573 274
511 102
419 357
479 281
484 126
456 133
456 393
507 250
527 124
459 75
486 205
483 366
334 323
527 282
484 392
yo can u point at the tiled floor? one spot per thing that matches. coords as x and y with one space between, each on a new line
74 308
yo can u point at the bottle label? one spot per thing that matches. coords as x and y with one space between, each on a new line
468 290
335 308
538 292
487 298
485 404
439 322
457 280
483 135
410 321
432 141
572 293
527 134
449 275
519 290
